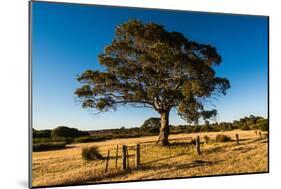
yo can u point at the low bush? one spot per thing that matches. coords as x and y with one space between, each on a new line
245 128
41 133
91 153
263 126
222 138
67 132
48 146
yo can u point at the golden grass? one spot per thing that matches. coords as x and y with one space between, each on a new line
66 167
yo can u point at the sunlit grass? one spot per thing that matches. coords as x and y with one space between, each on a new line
64 167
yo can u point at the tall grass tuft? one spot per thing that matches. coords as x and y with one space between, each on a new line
206 138
222 138
91 153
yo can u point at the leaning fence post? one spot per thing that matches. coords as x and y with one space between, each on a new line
198 145
137 156
116 157
237 138
107 159
124 157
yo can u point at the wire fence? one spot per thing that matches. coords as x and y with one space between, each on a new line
135 156
124 157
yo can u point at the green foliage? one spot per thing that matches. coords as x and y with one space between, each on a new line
37 147
91 153
52 140
41 133
149 128
206 128
222 138
245 127
197 129
263 126
113 135
148 66
67 132
225 126
151 125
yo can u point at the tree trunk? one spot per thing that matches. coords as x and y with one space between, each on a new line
164 129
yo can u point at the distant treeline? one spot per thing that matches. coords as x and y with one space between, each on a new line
62 135
246 123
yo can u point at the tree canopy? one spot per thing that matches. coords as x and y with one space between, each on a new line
148 66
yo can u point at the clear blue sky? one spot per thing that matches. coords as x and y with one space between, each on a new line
67 38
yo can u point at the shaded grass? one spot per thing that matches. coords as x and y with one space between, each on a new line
48 146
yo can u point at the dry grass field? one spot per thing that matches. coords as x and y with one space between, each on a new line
66 167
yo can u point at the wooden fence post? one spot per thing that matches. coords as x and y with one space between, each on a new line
107 159
116 157
137 162
198 145
128 159
170 150
260 134
237 138
124 157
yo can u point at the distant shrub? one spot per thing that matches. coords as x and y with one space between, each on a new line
206 128
52 140
197 129
224 126
48 146
67 132
263 126
91 153
245 127
222 138
206 138
151 125
41 133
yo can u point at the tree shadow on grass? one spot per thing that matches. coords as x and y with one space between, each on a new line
244 149
147 166
244 139
213 150
197 163
184 144
255 140
120 173
193 164
265 141
170 157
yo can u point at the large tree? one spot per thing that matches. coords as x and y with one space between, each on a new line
148 66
